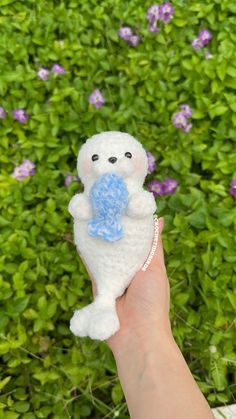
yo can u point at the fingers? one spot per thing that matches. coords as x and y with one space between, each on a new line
156 254
159 253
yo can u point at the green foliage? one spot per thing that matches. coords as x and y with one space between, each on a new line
45 371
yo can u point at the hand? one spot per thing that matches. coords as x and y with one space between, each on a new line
144 308
145 305
154 376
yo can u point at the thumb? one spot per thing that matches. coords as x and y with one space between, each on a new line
159 254
156 254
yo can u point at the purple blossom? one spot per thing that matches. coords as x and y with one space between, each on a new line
233 187
2 113
56 68
125 32
151 162
134 40
180 121
20 173
152 27
155 187
186 110
27 168
197 43
205 37
43 73
166 12
69 178
96 99
20 115
169 186
187 128
153 13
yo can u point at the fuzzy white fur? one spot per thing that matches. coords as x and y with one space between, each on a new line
112 265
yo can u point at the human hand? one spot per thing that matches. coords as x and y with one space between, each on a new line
143 309
154 376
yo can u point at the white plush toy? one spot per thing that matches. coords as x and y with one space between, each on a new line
113 224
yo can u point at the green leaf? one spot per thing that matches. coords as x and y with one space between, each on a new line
22 407
3 222
4 382
117 394
180 23
221 70
231 71
218 110
218 371
19 305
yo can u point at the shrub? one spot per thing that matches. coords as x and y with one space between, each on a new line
46 371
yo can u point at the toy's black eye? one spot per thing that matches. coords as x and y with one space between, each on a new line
128 154
95 157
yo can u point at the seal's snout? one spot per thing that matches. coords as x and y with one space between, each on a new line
112 159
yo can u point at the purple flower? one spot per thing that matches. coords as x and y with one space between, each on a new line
205 37
233 187
96 99
69 179
197 43
20 115
155 187
134 40
187 128
2 113
56 68
27 168
166 12
169 186
43 73
20 173
152 27
180 121
151 162
186 110
125 32
153 13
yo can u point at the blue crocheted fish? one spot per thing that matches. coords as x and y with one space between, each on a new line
109 198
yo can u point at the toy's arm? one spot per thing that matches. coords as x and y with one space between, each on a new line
141 204
79 207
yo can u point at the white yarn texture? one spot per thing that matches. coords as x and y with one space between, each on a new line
112 264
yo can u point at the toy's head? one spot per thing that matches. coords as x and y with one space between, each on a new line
112 151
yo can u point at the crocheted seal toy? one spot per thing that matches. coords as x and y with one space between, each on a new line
113 225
